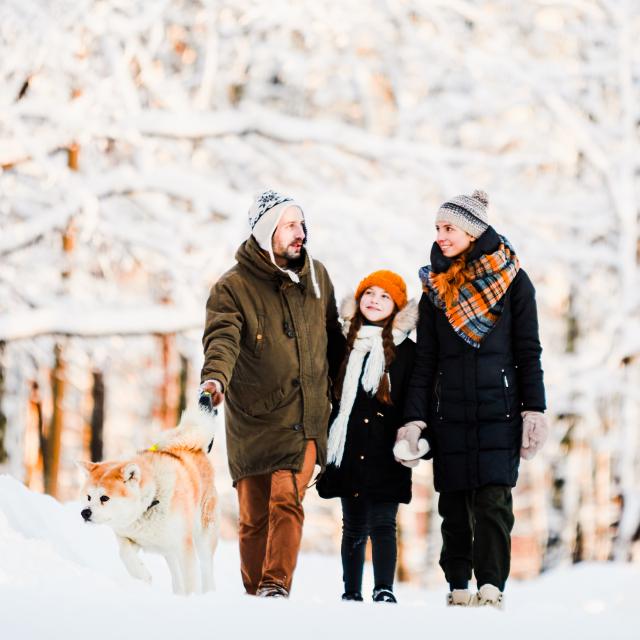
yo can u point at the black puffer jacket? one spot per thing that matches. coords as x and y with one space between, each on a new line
471 398
368 468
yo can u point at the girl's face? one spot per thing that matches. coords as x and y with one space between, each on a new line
451 239
376 304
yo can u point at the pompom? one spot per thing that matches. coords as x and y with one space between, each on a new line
482 196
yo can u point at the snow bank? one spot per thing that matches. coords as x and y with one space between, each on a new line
59 576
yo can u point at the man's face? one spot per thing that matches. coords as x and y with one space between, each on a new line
289 235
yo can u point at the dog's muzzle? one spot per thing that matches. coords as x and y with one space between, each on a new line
86 514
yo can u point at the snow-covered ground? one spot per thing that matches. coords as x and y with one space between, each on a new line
61 578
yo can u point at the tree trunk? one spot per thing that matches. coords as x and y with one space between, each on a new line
573 331
54 439
3 418
402 571
73 156
183 382
97 417
167 412
35 443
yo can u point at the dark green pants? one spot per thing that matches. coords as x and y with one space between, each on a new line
476 535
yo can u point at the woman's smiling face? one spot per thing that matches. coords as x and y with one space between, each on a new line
376 305
451 239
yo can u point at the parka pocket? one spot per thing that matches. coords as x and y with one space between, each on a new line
265 403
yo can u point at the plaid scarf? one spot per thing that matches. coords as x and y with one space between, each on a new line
481 299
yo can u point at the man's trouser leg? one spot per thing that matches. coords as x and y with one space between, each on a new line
286 516
253 501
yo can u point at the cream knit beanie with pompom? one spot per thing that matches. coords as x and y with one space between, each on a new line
469 213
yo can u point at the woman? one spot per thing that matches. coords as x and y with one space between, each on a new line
478 385
370 391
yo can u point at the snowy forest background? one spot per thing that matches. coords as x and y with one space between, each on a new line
133 136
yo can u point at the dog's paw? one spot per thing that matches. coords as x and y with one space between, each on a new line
140 572
145 576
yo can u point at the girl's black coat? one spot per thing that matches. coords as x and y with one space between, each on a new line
471 398
368 468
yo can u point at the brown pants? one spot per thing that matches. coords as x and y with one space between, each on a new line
271 517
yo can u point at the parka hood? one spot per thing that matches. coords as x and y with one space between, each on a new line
253 258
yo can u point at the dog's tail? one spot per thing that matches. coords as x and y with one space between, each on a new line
195 432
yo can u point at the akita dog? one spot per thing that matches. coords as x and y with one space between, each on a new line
163 500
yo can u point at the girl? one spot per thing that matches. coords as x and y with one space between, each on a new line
370 391
477 383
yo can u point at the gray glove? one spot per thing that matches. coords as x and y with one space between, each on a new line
535 431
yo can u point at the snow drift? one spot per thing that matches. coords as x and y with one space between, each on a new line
60 577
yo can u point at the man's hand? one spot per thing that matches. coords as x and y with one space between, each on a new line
215 389
534 433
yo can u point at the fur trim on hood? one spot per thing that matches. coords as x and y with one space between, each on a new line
405 321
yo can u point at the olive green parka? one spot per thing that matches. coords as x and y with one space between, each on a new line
269 341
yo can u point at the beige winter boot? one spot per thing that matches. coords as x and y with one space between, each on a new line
489 595
459 598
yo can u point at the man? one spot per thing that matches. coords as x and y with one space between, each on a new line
271 323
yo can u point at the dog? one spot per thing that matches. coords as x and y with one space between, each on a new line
163 500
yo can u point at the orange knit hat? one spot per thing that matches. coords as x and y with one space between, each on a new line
391 282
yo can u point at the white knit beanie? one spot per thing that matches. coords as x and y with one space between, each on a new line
469 213
264 216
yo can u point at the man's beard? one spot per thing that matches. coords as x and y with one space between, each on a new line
289 254
292 253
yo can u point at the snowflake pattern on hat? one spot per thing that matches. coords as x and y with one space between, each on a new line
265 201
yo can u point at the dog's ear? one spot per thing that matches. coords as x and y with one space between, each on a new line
86 467
131 472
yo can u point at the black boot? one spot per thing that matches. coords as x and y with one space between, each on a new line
356 596
383 593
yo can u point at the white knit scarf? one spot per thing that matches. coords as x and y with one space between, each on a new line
368 341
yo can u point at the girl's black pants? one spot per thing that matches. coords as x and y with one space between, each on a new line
362 519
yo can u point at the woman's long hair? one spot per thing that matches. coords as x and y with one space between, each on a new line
383 393
449 282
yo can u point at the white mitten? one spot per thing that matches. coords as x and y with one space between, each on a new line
403 450
409 445
534 433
